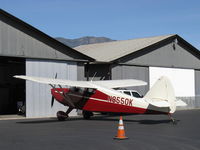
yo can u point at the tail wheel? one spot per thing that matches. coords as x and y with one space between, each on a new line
87 114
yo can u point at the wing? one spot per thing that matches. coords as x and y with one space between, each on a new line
84 84
120 83
180 103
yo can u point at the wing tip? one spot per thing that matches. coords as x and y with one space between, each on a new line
18 76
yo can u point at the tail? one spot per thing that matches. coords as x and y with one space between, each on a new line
162 95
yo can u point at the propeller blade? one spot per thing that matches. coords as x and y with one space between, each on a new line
52 98
52 101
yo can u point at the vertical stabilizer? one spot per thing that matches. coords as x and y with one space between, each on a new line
162 90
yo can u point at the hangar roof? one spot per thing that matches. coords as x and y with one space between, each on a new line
19 39
111 51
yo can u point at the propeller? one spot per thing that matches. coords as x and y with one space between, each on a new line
64 95
52 98
52 101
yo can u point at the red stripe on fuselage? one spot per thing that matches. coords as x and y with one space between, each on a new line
99 106
100 102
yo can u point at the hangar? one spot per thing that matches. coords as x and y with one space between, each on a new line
148 59
26 50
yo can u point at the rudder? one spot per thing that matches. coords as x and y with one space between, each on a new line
162 91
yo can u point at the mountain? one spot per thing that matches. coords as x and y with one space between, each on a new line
83 40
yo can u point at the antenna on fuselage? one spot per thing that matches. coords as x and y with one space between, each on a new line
93 76
102 78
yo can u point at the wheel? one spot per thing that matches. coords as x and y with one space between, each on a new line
104 113
174 122
61 116
87 114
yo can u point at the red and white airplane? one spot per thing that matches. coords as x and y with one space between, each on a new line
100 96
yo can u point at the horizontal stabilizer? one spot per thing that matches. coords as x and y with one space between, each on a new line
180 103
159 103
166 104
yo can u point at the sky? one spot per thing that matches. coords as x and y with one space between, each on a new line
115 19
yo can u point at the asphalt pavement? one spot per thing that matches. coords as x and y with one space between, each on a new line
145 132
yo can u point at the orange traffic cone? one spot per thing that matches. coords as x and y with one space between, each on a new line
120 132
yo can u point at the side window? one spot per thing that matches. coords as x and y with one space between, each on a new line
135 94
127 92
91 91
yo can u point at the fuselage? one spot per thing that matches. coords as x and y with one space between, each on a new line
105 101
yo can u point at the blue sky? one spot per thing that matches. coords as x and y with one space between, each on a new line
115 19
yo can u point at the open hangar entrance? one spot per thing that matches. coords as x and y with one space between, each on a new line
12 91
97 71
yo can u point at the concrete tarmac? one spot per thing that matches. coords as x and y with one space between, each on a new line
145 132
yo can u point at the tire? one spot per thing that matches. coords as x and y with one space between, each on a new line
87 114
61 116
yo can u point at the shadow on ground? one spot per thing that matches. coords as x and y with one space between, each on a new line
98 118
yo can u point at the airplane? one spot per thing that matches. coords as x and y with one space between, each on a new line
102 96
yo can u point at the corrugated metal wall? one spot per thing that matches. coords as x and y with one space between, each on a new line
166 55
197 82
132 72
15 42
38 96
81 72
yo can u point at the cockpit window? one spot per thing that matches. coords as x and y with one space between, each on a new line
91 91
127 92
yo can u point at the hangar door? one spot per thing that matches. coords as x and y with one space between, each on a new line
38 96
183 80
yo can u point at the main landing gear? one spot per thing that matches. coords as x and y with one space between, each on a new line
61 115
87 114
174 121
